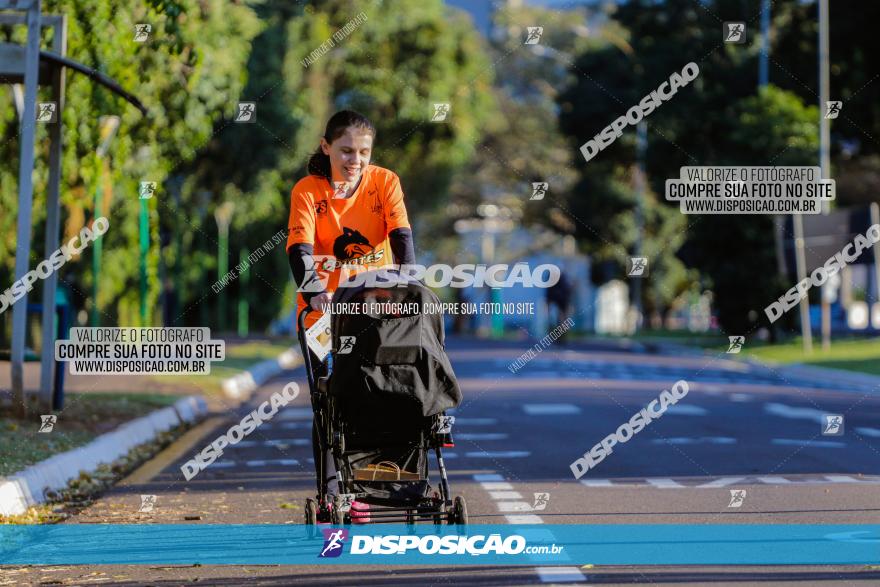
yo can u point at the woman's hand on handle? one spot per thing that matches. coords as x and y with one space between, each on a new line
320 301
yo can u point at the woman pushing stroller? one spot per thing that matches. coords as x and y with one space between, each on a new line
348 209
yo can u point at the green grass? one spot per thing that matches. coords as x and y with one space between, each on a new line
85 416
88 415
862 355
238 358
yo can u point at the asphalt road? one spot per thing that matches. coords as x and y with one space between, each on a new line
741 427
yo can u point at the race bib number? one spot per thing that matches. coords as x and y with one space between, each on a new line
318 337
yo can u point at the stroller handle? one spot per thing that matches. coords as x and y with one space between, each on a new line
304 347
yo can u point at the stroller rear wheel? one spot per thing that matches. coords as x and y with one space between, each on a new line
338 516
311 511
459 511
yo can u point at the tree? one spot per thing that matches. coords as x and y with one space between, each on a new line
737 252
392 64
184 74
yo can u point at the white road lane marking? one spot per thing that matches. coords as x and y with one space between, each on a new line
808 443
509 454
686 410
597 483
773 480
496 486
841 479
290 441
264 443
295 414
271 462
740 397
700 440
561 575
550 409
480 435
499 489
722 482
784 411
725 481
664 483
505 495
514 506
523 519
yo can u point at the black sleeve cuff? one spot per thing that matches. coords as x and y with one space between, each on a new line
402 246
297 257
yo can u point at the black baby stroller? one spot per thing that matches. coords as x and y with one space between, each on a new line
379 405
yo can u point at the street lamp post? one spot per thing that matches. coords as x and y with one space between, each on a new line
107 127
243 307
824 153
223 216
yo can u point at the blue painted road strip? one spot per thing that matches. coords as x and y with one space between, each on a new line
662 544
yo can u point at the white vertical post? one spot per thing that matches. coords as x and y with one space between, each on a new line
25 202
824 148
875 219
53 212
641 147
801 264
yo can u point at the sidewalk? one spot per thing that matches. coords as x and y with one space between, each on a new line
112 414
206 385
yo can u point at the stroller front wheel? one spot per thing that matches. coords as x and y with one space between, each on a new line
459 511
338 517
311 512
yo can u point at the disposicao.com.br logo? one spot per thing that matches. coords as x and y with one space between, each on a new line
477 545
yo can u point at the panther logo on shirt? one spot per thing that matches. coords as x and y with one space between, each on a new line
350 245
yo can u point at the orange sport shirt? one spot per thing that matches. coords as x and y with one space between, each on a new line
354 230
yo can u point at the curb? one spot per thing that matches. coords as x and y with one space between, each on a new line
813 372
240 387
28 487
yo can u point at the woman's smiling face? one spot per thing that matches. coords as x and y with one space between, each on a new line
349 154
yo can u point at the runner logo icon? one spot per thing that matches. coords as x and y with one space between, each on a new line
47 423
346 345
638 267
734 32
737 497
534 35
833 425
541 500
736 344
539 189
334 540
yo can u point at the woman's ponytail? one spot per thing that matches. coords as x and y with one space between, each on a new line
319 164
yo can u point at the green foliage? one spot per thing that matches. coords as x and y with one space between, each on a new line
392 67
185 74
738 252
715 120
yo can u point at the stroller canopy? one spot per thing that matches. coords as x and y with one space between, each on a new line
388 346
